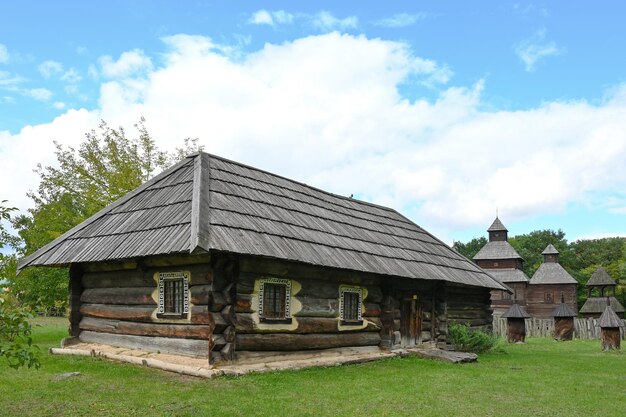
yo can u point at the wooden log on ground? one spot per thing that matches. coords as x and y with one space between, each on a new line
131 295
318 307
282 342
146 329
185 347
141 313
246 324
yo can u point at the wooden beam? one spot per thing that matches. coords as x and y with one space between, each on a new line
185 347
282 342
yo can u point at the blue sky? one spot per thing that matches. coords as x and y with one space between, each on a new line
443 110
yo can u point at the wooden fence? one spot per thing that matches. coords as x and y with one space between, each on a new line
583 328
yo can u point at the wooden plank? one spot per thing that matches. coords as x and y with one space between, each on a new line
146 329
200 205
282 342
185 347
132 295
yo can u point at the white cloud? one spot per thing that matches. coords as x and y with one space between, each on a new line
401 20
41 94
325 21
326 110
4 54
71 76
264 17
49 68
535 48
59 105
129 63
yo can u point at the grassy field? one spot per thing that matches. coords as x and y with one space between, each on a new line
540 378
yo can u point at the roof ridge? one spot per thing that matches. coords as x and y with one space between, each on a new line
200 204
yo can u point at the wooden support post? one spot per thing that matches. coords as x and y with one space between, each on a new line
75 290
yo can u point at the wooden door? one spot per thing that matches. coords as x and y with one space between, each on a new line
411 321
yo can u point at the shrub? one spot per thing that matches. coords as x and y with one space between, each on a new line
465 340
16 343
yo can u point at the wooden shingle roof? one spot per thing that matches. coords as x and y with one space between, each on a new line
552 273
207 203
508 275
497 226
497 250
600 278
596 305
609 319
516 311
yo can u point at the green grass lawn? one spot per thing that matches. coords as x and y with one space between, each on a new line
540 378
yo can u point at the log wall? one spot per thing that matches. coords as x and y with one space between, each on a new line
538 305
315 321
470 305
119 307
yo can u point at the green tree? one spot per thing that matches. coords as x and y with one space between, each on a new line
471 248
16 344
531 245
106 166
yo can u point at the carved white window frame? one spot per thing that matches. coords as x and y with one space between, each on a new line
350 289
173 276
279 281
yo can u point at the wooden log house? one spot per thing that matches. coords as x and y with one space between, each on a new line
216 259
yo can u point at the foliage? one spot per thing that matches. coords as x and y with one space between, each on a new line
106 166
466 340
524 382
530 246
471 248
16 342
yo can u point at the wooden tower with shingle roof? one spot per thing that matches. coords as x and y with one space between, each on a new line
600 287
503 262
547 282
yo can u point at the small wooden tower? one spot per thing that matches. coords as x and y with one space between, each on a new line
563 321
600 288
516 327
609 328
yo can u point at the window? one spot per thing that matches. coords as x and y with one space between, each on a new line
549 298
350 299
275 300
173 294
